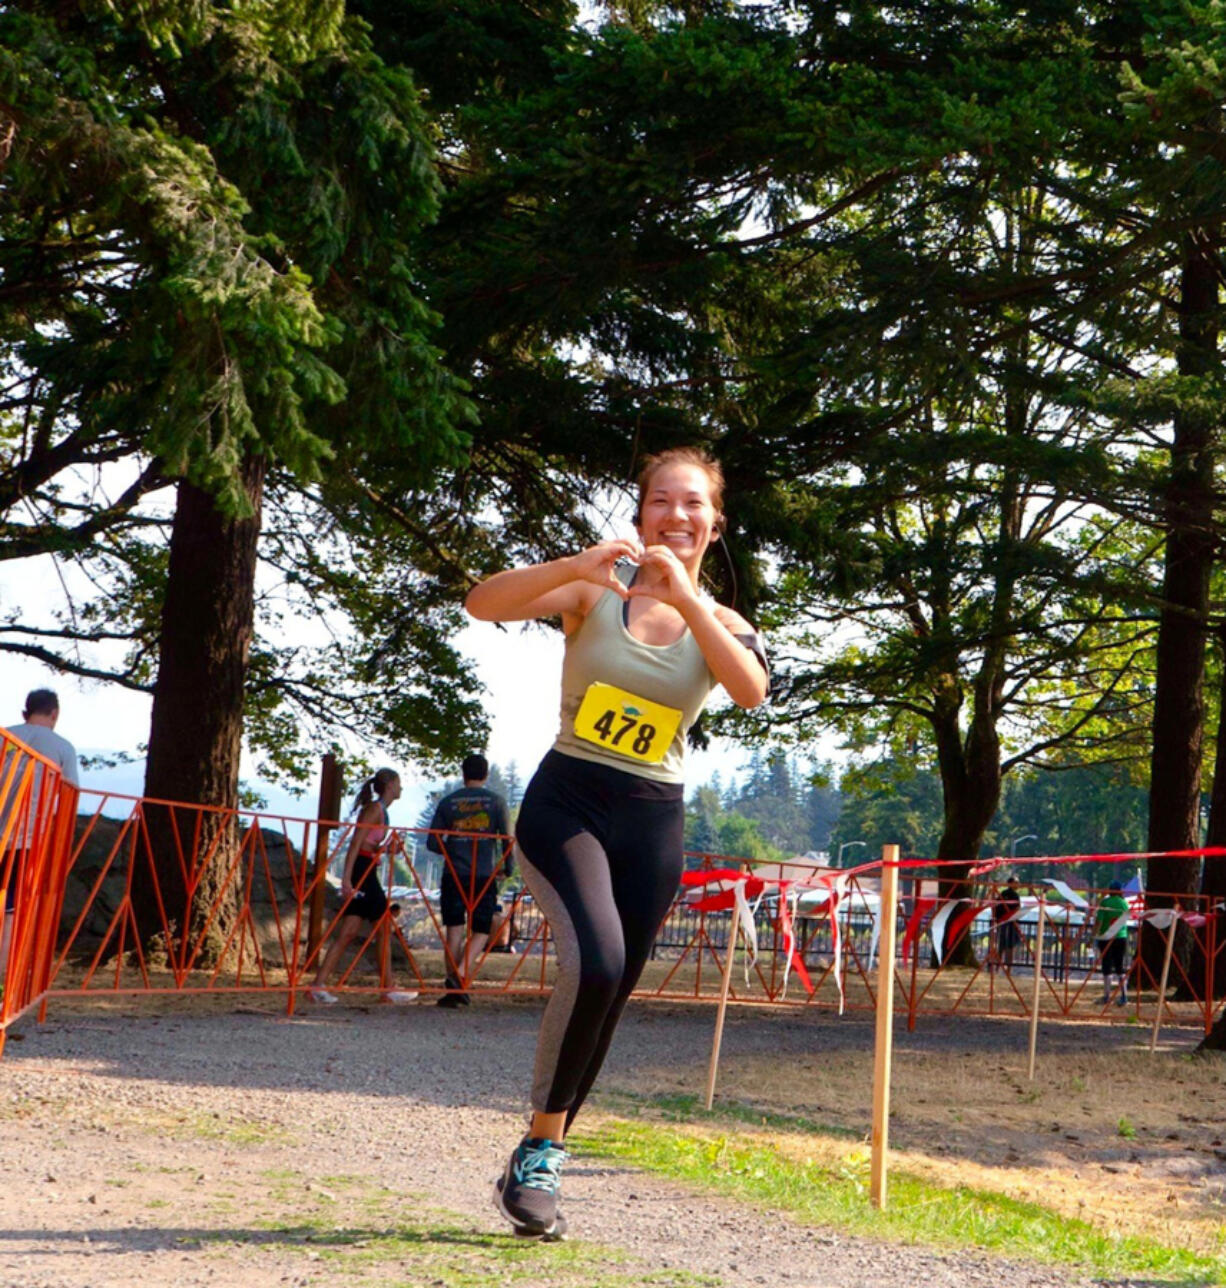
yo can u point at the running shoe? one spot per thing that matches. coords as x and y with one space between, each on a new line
322 996
527 1192
456 994
399 996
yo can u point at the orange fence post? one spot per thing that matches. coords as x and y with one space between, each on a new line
33 839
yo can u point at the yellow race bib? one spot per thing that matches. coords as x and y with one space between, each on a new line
625 723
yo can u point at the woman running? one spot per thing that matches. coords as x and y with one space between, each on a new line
600 827
361 875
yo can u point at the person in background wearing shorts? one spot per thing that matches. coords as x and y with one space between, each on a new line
1004 920
361 879
466 830
600 827
1111 937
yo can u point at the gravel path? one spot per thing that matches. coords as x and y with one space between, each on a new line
160 1150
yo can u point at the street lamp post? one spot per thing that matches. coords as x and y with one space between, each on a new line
1016 841
846 846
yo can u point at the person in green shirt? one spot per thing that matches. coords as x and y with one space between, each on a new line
1111 936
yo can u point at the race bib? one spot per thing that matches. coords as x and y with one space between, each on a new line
625 723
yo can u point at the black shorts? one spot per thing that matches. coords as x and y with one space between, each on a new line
369 897
454 897
1113 951
1007 937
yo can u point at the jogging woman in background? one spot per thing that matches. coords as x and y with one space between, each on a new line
361 875
600 827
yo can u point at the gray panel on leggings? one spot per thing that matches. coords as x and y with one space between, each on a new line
561 1005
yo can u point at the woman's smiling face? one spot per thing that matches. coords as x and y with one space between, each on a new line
678 512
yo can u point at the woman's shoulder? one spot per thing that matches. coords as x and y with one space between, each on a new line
731 620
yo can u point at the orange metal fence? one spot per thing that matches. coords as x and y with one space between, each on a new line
37 808
146 896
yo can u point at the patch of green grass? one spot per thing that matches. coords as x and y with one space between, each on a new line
756 1171
1125 1128
685 1107
229 1131
426 1250
426 1245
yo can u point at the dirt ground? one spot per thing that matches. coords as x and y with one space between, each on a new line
219 1142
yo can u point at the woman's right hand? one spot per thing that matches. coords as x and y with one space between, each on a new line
346 888
596 563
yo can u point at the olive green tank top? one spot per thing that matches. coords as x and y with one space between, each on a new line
626 715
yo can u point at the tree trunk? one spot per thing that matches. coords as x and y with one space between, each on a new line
1213 877
970 783
195 733
1179 705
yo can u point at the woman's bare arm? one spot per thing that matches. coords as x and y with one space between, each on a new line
567 586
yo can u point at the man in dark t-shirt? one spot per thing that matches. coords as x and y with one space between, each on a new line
469 829
1004 918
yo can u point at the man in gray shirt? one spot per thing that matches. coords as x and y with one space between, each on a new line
468 829
38 733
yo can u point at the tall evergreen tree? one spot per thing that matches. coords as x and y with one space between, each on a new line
208 217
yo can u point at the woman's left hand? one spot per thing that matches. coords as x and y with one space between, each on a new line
668 581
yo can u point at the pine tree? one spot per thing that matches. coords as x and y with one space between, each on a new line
207 226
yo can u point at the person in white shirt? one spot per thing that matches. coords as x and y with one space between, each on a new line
37 731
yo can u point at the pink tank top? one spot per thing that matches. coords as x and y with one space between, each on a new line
372 836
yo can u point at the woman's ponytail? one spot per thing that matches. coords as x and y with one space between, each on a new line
372 788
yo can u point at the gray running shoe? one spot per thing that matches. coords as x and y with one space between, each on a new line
527 1192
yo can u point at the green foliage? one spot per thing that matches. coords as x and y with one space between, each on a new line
894 801
209 225
1076 809
711 829
908 269
772 813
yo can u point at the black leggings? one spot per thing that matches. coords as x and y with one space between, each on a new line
602 856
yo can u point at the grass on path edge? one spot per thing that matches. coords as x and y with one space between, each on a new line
767 1165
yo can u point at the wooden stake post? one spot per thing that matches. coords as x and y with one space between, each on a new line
1038 984
723 1005
888 912
1166 973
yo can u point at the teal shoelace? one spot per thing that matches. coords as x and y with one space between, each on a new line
540 1166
